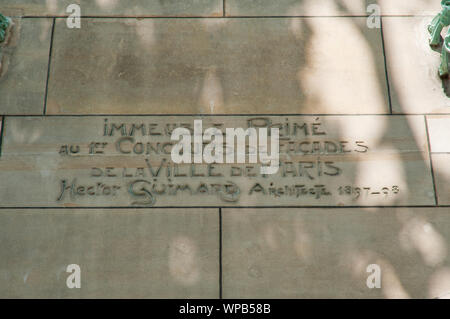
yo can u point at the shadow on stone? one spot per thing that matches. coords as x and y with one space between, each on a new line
446 86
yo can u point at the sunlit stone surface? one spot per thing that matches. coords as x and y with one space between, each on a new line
409 7
114 7
217 66
23 66
214 7
328 7
124 253
324 253
439 134
296 7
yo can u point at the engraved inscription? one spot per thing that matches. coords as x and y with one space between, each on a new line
126 160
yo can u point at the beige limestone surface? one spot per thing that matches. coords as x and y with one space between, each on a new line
217 66
126 253
23 66
442 177
329 7
410 7
412 66
214 7
439 133
113 7
325 253
296 7
126 161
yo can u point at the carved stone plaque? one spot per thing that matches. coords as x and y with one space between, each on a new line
124 161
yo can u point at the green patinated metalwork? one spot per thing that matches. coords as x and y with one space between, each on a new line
4 24
435 28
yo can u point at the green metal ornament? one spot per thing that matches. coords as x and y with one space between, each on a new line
435 28
4 24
